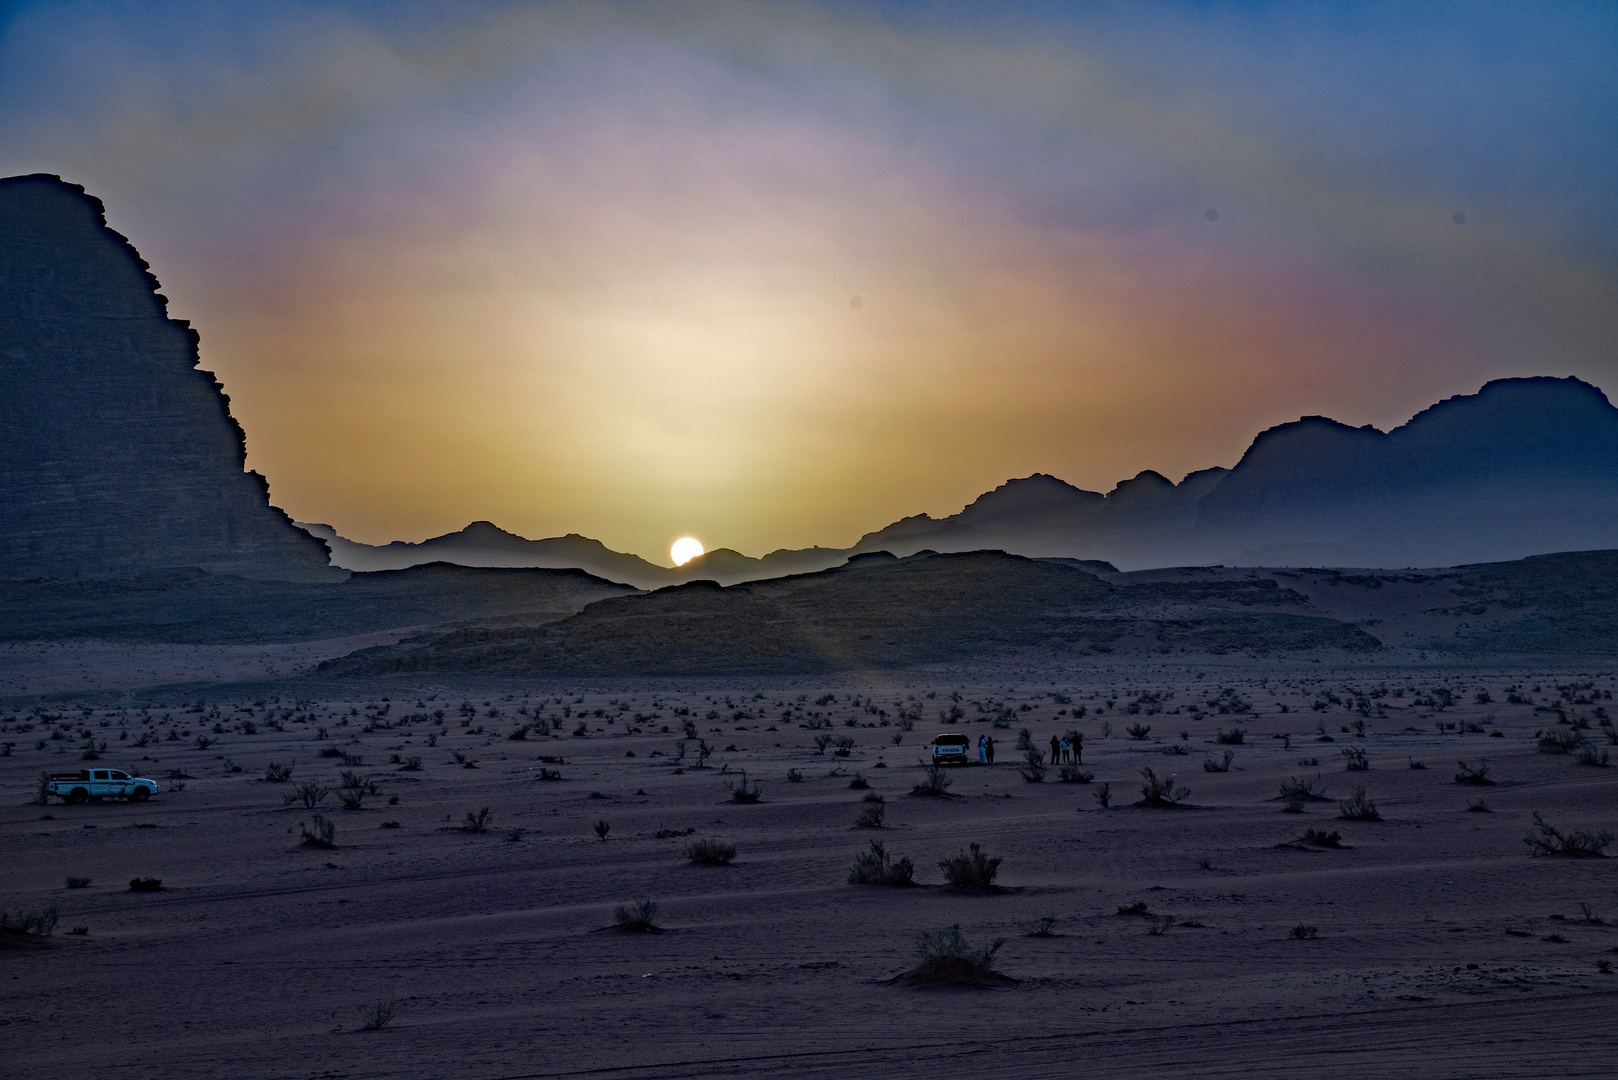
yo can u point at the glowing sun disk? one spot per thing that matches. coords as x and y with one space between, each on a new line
685 549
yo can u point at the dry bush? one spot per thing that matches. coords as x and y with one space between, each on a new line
1235 736
1304 933
1469 775
1295 790
971 869
1139 731
794 776
37 924
947 958
1042 926
1357 761
1222 764
636 916
323 835
875 867
1590 754
1321 838
309 793
1359 807
741 793
75 882
1103 796
935 781
1071 772
1033 769
1560 740
276 773
146 884
477 822
378 1016
602 828
351 798
1161 792
1160 925
1545 839
710 852
871 815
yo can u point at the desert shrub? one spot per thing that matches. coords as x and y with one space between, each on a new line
1139 731
1103 796
1414 764
411 763
794 776
1560 740
1305 933
947 958
636 916
1071 772
710 852
1589 754
876 867
859 782
602 828
330 751
1160 925
549 774
351 760
935 781
740 791
276 773
1481 806
322 835
42 790
378 1016
75 882
1234 737
146 884
1222 764
351 798
822 741
1042 926
1139 907
1359 807
1469 775
870 816
1321 838
477 822
351 780
309 793
1357 761
1033 769
25 923
1295 790
1163 791
1545 839
971 869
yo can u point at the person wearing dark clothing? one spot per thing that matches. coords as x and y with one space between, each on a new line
1056 751
988 744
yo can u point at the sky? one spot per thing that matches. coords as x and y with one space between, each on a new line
777 274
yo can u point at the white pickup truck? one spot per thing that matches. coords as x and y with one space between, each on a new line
85 784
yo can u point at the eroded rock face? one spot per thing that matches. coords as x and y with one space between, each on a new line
118 454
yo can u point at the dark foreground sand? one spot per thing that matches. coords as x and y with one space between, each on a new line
1442 949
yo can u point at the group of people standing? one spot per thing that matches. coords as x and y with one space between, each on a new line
985 750
1066 748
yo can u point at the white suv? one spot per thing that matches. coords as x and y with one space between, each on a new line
77 787
951 750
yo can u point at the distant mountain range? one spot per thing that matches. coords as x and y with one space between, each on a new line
1523 467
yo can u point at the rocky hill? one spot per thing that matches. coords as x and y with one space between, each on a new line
118 454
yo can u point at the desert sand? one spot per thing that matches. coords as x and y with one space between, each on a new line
1439 946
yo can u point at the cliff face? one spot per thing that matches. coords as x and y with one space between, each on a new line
117 453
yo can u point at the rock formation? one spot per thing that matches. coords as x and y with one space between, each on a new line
118 454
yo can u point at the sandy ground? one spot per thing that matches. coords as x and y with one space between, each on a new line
1441 948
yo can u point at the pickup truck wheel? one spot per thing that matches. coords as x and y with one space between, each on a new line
140 794
78 795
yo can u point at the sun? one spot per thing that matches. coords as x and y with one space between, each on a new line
685 549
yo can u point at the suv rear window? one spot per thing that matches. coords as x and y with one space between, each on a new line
950 740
